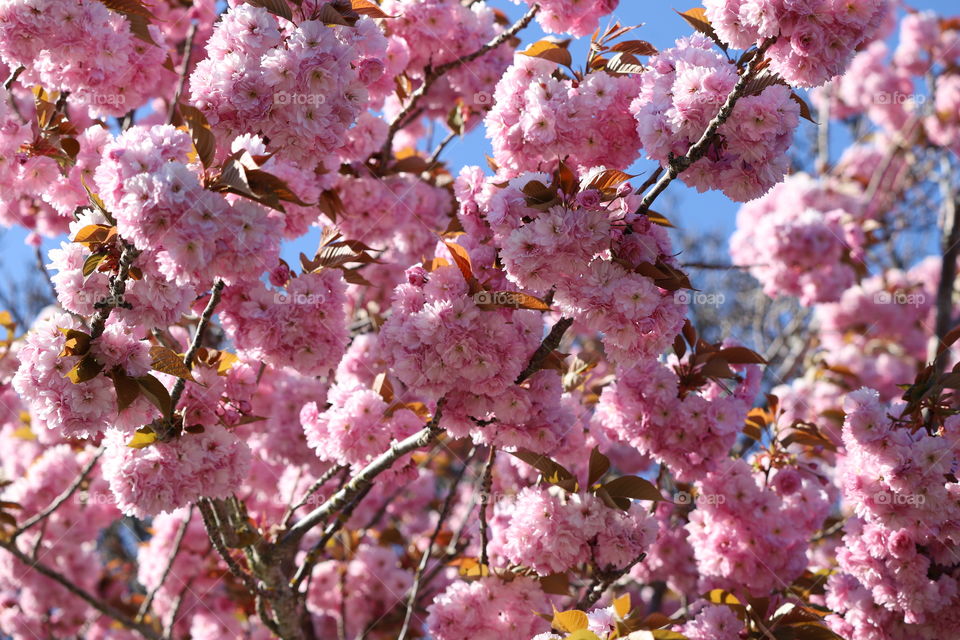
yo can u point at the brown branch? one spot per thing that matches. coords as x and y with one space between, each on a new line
216 539
184 68
316 486
603 582
486 488
425 558
177 542
948 270
63 497
364 479
432 75
698 149
118 285
108 610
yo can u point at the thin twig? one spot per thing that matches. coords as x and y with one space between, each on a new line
104 608
603 583
184 69
364 479
425 558
177 542
191 353
432 75
63 497
487 487
443 145
316 486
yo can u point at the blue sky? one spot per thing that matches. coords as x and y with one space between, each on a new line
660 26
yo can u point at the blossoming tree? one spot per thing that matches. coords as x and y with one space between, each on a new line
506 403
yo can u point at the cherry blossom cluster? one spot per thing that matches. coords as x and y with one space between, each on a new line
757 554
574 17
814 40
588 252
427 34
899 545
801 239
302 326
488 608
161 207
646 407
683 92
588 529
439 340
97 57
538 119
302 85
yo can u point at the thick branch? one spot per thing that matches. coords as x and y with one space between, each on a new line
364 479
216 539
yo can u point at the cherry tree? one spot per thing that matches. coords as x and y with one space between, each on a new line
506 400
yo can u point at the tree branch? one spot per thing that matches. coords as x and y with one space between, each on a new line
699 148
63 497
177 542
104 608
432 75
425 558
